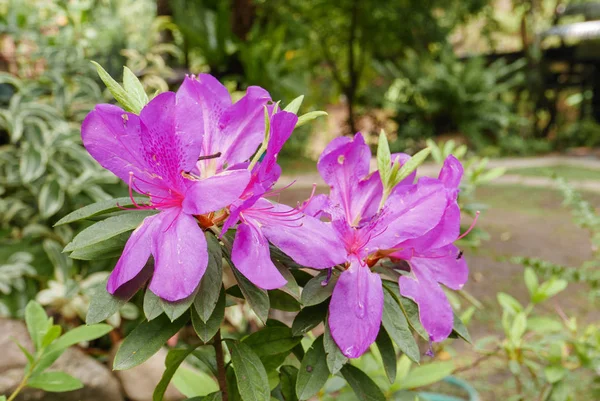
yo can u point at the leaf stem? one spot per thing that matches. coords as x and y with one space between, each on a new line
22 384
221 374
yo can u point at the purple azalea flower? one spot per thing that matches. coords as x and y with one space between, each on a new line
307 240
181 152
433 259
368 231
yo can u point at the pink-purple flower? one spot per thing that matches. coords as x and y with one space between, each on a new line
414 216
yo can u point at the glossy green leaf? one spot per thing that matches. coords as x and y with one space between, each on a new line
210 285
252 380
309 318
272 340
50 199
107 229
283 301
257 298
364 388
174 359
98 209
314 292
294 105
397 327
152 305
388 354
37 323
313 372
207 330
56 382
103 305
134 89
335 358
305 118
145 340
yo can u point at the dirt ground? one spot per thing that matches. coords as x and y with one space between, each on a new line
521 221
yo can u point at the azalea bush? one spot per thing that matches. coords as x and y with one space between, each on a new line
361 267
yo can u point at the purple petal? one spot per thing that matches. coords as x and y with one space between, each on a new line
251 256
135 255
344 163
167 150
446 232
355 310
307 240
366 198
216 192
180 256
243 126
444 266
113 138
317 206
282 125
410 213
435 311
451 172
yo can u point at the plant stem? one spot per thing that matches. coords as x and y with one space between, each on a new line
21 385
221 375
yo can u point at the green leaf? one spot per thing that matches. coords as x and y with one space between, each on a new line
107 229
193 382
427 374
252 380
508 303
145 340
308 318
411 165
120 95
518 327
210 285
103 305
81 334
549 289
364 388
313 372
50 199
314 292
207 356
32 164
335 358
98 209
283 301
555 373
108 249
56 382
25 352
175 309
216 396
294 105
272 340
2 398
384 159
531 281
411 312
257 298
291 287
152 305
397 327
52 334
37 323
460 329
207 330
303 119
287 379
174 359
135 90
388 354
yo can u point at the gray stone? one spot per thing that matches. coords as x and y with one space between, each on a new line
99 383
139 382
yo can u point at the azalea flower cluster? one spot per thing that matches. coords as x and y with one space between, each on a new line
204 162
